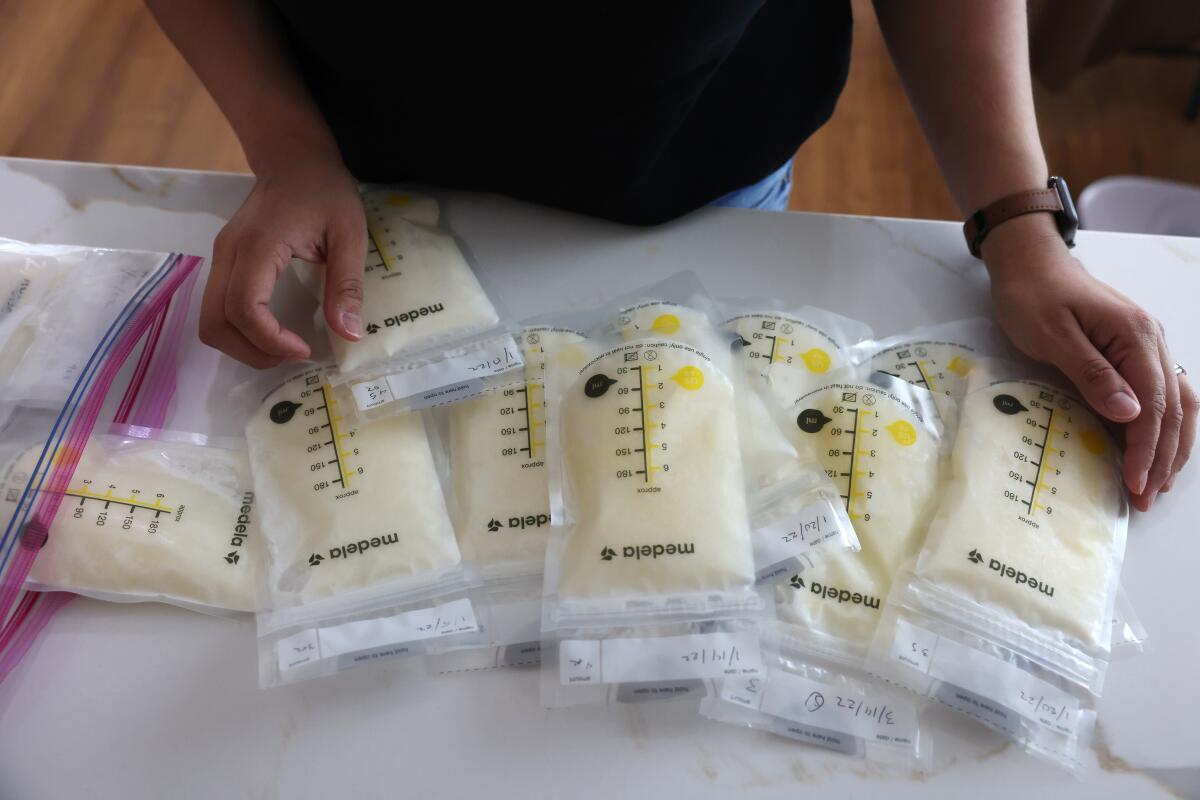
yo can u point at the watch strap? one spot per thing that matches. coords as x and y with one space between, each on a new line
983 221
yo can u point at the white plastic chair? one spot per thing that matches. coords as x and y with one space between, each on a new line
1131 204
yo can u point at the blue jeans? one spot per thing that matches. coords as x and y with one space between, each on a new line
769 194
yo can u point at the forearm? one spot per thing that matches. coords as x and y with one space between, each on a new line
237 52
965 66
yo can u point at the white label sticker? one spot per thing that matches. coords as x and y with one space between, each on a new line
442 379
843 710
981 674
371 394
664 658
913 646
745 692
579 661
457 616
298 649
779 543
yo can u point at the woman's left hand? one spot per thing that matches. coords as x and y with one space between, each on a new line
1112 349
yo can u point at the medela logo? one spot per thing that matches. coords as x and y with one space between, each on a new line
1018 577
361 546
652 551
520 523
406 316
834 593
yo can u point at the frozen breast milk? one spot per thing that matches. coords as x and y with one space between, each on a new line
151 520
650 463
1030 517
344 508
497 455
22 282
883 457
418 289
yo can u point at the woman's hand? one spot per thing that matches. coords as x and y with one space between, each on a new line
1112 350
304 204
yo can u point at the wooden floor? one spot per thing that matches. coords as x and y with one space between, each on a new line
95 80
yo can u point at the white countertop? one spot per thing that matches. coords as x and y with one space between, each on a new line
151 702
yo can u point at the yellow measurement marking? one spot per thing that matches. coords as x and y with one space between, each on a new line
646 423
373 234
1037 481
925 376
107 497
531 420
959 366
334 419
851 490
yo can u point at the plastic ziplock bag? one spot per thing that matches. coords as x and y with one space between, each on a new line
1007 615
126 377
54 301
433 335
150 518
650 583
878 439
362 560
824 703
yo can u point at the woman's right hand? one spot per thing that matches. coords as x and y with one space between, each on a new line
303 205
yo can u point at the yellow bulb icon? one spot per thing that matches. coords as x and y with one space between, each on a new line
959 366
904 433
398 199
667 323
570 355
689 377
816 360
1094 442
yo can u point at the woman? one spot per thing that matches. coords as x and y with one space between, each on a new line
640 112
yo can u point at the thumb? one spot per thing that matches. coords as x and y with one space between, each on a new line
345 257
1096 378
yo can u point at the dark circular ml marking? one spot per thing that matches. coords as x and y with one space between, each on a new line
283 411
597 385
811 420
1007 404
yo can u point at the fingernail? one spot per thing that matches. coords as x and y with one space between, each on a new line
1139 485
1122 406
352 323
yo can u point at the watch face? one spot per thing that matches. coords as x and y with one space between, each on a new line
1068 218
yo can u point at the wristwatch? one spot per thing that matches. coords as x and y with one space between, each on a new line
1055 199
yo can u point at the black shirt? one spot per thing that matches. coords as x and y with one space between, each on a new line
634 110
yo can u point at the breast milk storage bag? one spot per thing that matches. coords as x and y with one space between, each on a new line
1007 615
500 499
150 519
432 333
878 439
88 342
363 562
650 584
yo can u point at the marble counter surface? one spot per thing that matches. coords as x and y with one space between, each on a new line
149 701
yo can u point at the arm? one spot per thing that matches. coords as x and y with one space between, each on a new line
965 67
304 202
